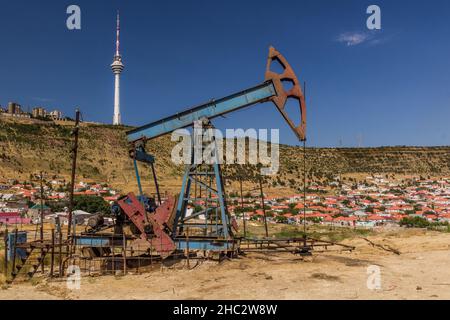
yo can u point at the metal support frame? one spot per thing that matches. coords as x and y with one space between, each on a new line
216 221
208 178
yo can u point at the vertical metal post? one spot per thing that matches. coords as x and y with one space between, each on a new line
151 255
304 186
60 254
304 175
14 252
243 211
124 244
52 261
113 259
181 206
221 198
139 256
187 248
74 230
195 188
6 254
209 203
200 190
263 207
41 231
75 132
161 257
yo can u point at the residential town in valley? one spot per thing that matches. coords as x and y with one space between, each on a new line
20 202
375 201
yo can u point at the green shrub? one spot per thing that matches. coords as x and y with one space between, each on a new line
91 204
414 222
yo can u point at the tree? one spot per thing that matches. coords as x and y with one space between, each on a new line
369 209
414 222
281 219
57 206
270 214
91 204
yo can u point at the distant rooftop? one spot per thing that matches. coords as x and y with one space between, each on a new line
38 207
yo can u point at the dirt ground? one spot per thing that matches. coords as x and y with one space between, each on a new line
421 271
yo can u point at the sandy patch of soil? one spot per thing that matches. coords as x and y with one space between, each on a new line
420 272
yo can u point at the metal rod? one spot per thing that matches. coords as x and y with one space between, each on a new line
113 259
60 254
52 261
14 251
138 177
304 187
200 193
187 248
139 260
141 194
263 207
6 253
243 211
151 253
195 187
304 174
156 183
161 257
75 132
41 231
208 203
124 240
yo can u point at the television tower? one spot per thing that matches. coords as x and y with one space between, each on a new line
117 68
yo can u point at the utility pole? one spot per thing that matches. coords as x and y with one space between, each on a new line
304 179
5 270
304 188
42 207
263 207
41 214
243 212
75 133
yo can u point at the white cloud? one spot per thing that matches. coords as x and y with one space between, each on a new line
353 38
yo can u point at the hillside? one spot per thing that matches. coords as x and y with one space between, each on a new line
103 157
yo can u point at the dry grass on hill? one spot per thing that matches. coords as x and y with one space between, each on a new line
103 157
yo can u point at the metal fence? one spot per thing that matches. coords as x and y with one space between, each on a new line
116 254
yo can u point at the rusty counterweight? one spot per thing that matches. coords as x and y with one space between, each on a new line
282 96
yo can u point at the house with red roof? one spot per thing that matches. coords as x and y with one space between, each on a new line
13 218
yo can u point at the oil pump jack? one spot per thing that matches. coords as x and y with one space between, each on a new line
170 225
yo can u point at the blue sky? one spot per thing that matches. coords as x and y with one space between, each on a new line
389 87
